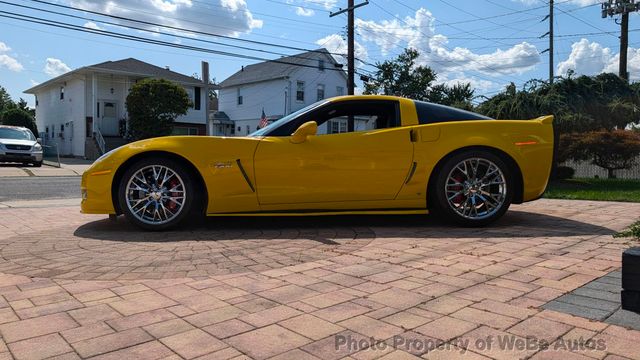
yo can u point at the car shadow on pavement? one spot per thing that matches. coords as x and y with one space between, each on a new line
514 224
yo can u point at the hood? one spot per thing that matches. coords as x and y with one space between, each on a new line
17 142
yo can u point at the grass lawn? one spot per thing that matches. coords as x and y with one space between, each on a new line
595 189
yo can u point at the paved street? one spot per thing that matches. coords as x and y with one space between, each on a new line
79 286
38 188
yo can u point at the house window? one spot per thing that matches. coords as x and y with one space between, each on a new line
339 90
248 129
36 100
196 98
46 133
300 91
320 92
181 131
338 126
98 108
239 130
321 65
240 100
61 92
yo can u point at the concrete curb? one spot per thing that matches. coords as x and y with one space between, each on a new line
40 203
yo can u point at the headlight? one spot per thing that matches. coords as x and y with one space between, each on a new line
1 146
37 147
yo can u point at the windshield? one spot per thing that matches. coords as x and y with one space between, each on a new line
16 134
285 120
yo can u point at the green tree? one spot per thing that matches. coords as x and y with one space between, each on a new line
402 77
22 105
5 100
153 105
19 117
585 103
611 150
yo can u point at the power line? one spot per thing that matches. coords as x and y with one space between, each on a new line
57 24
166 26
150 31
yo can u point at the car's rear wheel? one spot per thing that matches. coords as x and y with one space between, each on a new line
156 193
473 188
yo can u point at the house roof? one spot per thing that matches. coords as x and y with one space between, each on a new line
128 66
275 69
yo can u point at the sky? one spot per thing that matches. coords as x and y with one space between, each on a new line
489 43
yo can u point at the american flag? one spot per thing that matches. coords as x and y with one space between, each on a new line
263 120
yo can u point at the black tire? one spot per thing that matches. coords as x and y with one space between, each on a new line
184 177
37 164
463 196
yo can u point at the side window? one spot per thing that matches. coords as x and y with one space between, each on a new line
355 116
429 113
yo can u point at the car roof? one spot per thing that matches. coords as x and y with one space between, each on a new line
13 127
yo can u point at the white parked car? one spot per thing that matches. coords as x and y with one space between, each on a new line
17 144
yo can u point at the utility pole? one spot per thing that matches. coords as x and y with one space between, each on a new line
351 69
551 63
623 8
550 49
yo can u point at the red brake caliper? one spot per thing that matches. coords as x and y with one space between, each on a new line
171 204
460 197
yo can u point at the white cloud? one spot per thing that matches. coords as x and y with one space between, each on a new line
10 63
480 85
223 17
327 4
92 25
55 67
419 32
337 45
7 61
34 83
591 58
300 11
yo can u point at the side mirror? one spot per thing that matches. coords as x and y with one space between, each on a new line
39 140
305 130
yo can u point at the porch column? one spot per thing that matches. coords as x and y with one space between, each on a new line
94 101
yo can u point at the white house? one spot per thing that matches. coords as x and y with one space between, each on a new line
280 87
84 112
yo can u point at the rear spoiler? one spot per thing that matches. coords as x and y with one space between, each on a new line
547 120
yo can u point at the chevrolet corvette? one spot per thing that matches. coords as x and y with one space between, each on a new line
345 155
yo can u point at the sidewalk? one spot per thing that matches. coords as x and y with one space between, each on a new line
69 167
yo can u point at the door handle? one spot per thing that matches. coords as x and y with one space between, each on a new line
413 135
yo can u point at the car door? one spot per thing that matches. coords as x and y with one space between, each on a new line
359 154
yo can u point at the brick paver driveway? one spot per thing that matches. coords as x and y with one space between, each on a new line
360 287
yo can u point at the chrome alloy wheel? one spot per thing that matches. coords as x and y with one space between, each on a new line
476 188
155 194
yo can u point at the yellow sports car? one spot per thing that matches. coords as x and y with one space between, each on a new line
345 155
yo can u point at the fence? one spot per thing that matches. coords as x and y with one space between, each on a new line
585 169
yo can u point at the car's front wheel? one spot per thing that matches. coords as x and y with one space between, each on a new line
156 193
473 188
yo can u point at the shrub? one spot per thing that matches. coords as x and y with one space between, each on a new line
153 105
611 150
564 172
19 117
633 231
